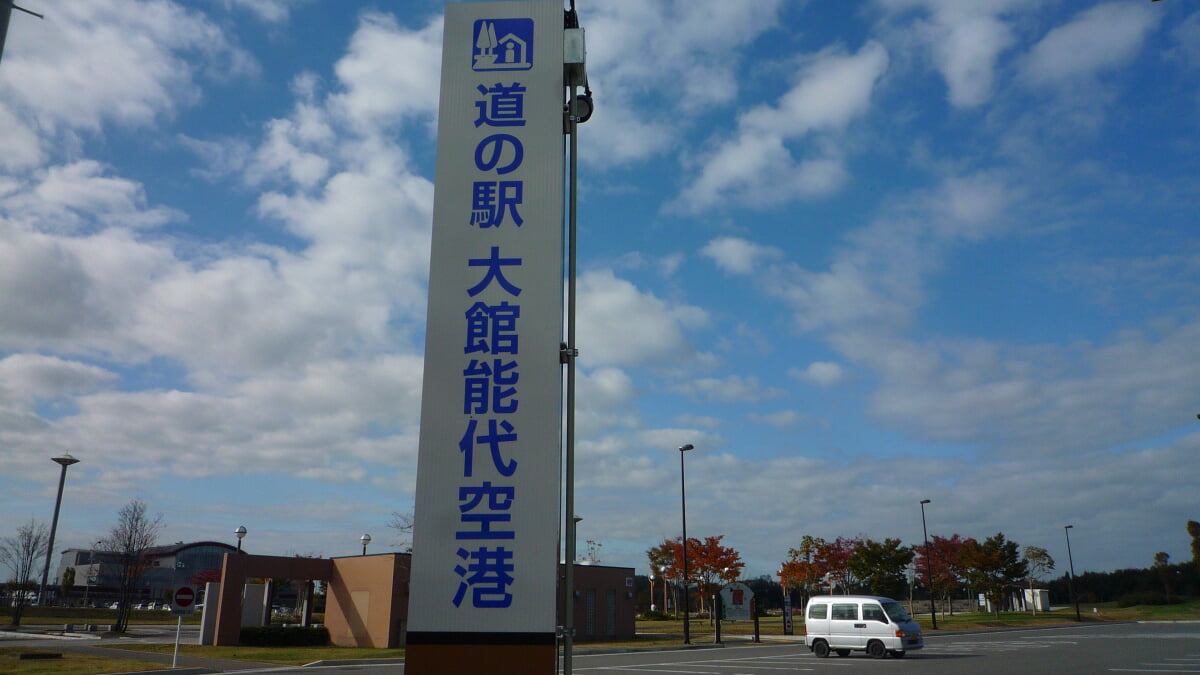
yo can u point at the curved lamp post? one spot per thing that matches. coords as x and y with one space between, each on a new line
240 533
928 565
64 461
687 633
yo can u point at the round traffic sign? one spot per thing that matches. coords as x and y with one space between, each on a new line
185 596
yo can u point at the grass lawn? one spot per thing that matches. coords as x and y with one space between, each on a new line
290 656
70 663
41 616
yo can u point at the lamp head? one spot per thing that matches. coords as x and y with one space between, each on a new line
65 459
365 539
926 501
685 448
240 531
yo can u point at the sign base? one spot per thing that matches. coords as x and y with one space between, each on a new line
455 659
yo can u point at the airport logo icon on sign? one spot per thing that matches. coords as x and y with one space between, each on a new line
503 44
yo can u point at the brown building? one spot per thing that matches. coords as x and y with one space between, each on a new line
367 597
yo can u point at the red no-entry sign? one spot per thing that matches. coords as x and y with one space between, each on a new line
184 601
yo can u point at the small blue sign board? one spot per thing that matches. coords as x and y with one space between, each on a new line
503 44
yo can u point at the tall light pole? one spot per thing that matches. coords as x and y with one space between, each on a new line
64 460
240 533
365 539
1071 579
662 573
928 565
687 629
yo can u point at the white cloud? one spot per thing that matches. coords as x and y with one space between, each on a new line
269 11
1096 39
781 418
821 373
32 376
729 388
618 324
965 39
757 168
71 196
644 58
390 73
79 67
19 146
739 256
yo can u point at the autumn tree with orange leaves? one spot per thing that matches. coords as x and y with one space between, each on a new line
710 564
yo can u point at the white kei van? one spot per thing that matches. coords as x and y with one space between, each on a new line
842 623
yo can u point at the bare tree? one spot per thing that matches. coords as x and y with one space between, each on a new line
402 523
134 533
20 554
1038 561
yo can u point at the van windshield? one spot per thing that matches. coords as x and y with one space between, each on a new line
895 612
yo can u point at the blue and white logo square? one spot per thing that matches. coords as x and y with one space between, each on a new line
503 44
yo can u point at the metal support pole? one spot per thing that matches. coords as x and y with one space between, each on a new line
178 630
928 566
1071 579
64 461
687 629
569 355
717 609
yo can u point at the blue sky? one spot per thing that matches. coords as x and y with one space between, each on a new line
858 253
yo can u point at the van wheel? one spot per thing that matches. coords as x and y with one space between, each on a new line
821 649
897 655
876 650
843 652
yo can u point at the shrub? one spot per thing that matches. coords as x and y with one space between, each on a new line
1146 598
278 636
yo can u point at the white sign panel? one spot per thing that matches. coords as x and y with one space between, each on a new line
485 540
735 599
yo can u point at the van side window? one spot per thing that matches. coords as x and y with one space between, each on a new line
818 611
872 612
845 611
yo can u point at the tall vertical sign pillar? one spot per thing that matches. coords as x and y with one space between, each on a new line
485 537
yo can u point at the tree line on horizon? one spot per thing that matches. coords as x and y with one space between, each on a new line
948 567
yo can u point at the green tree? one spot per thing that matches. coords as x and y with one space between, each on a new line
801 570
881 565
134 533
992 566
1038 560
1162 565
1193 528
21 554
834 557
943 568
68 582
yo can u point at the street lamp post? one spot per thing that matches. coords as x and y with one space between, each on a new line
687 632
240 533
928 565
662 573
1071 579
365 539
64 461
